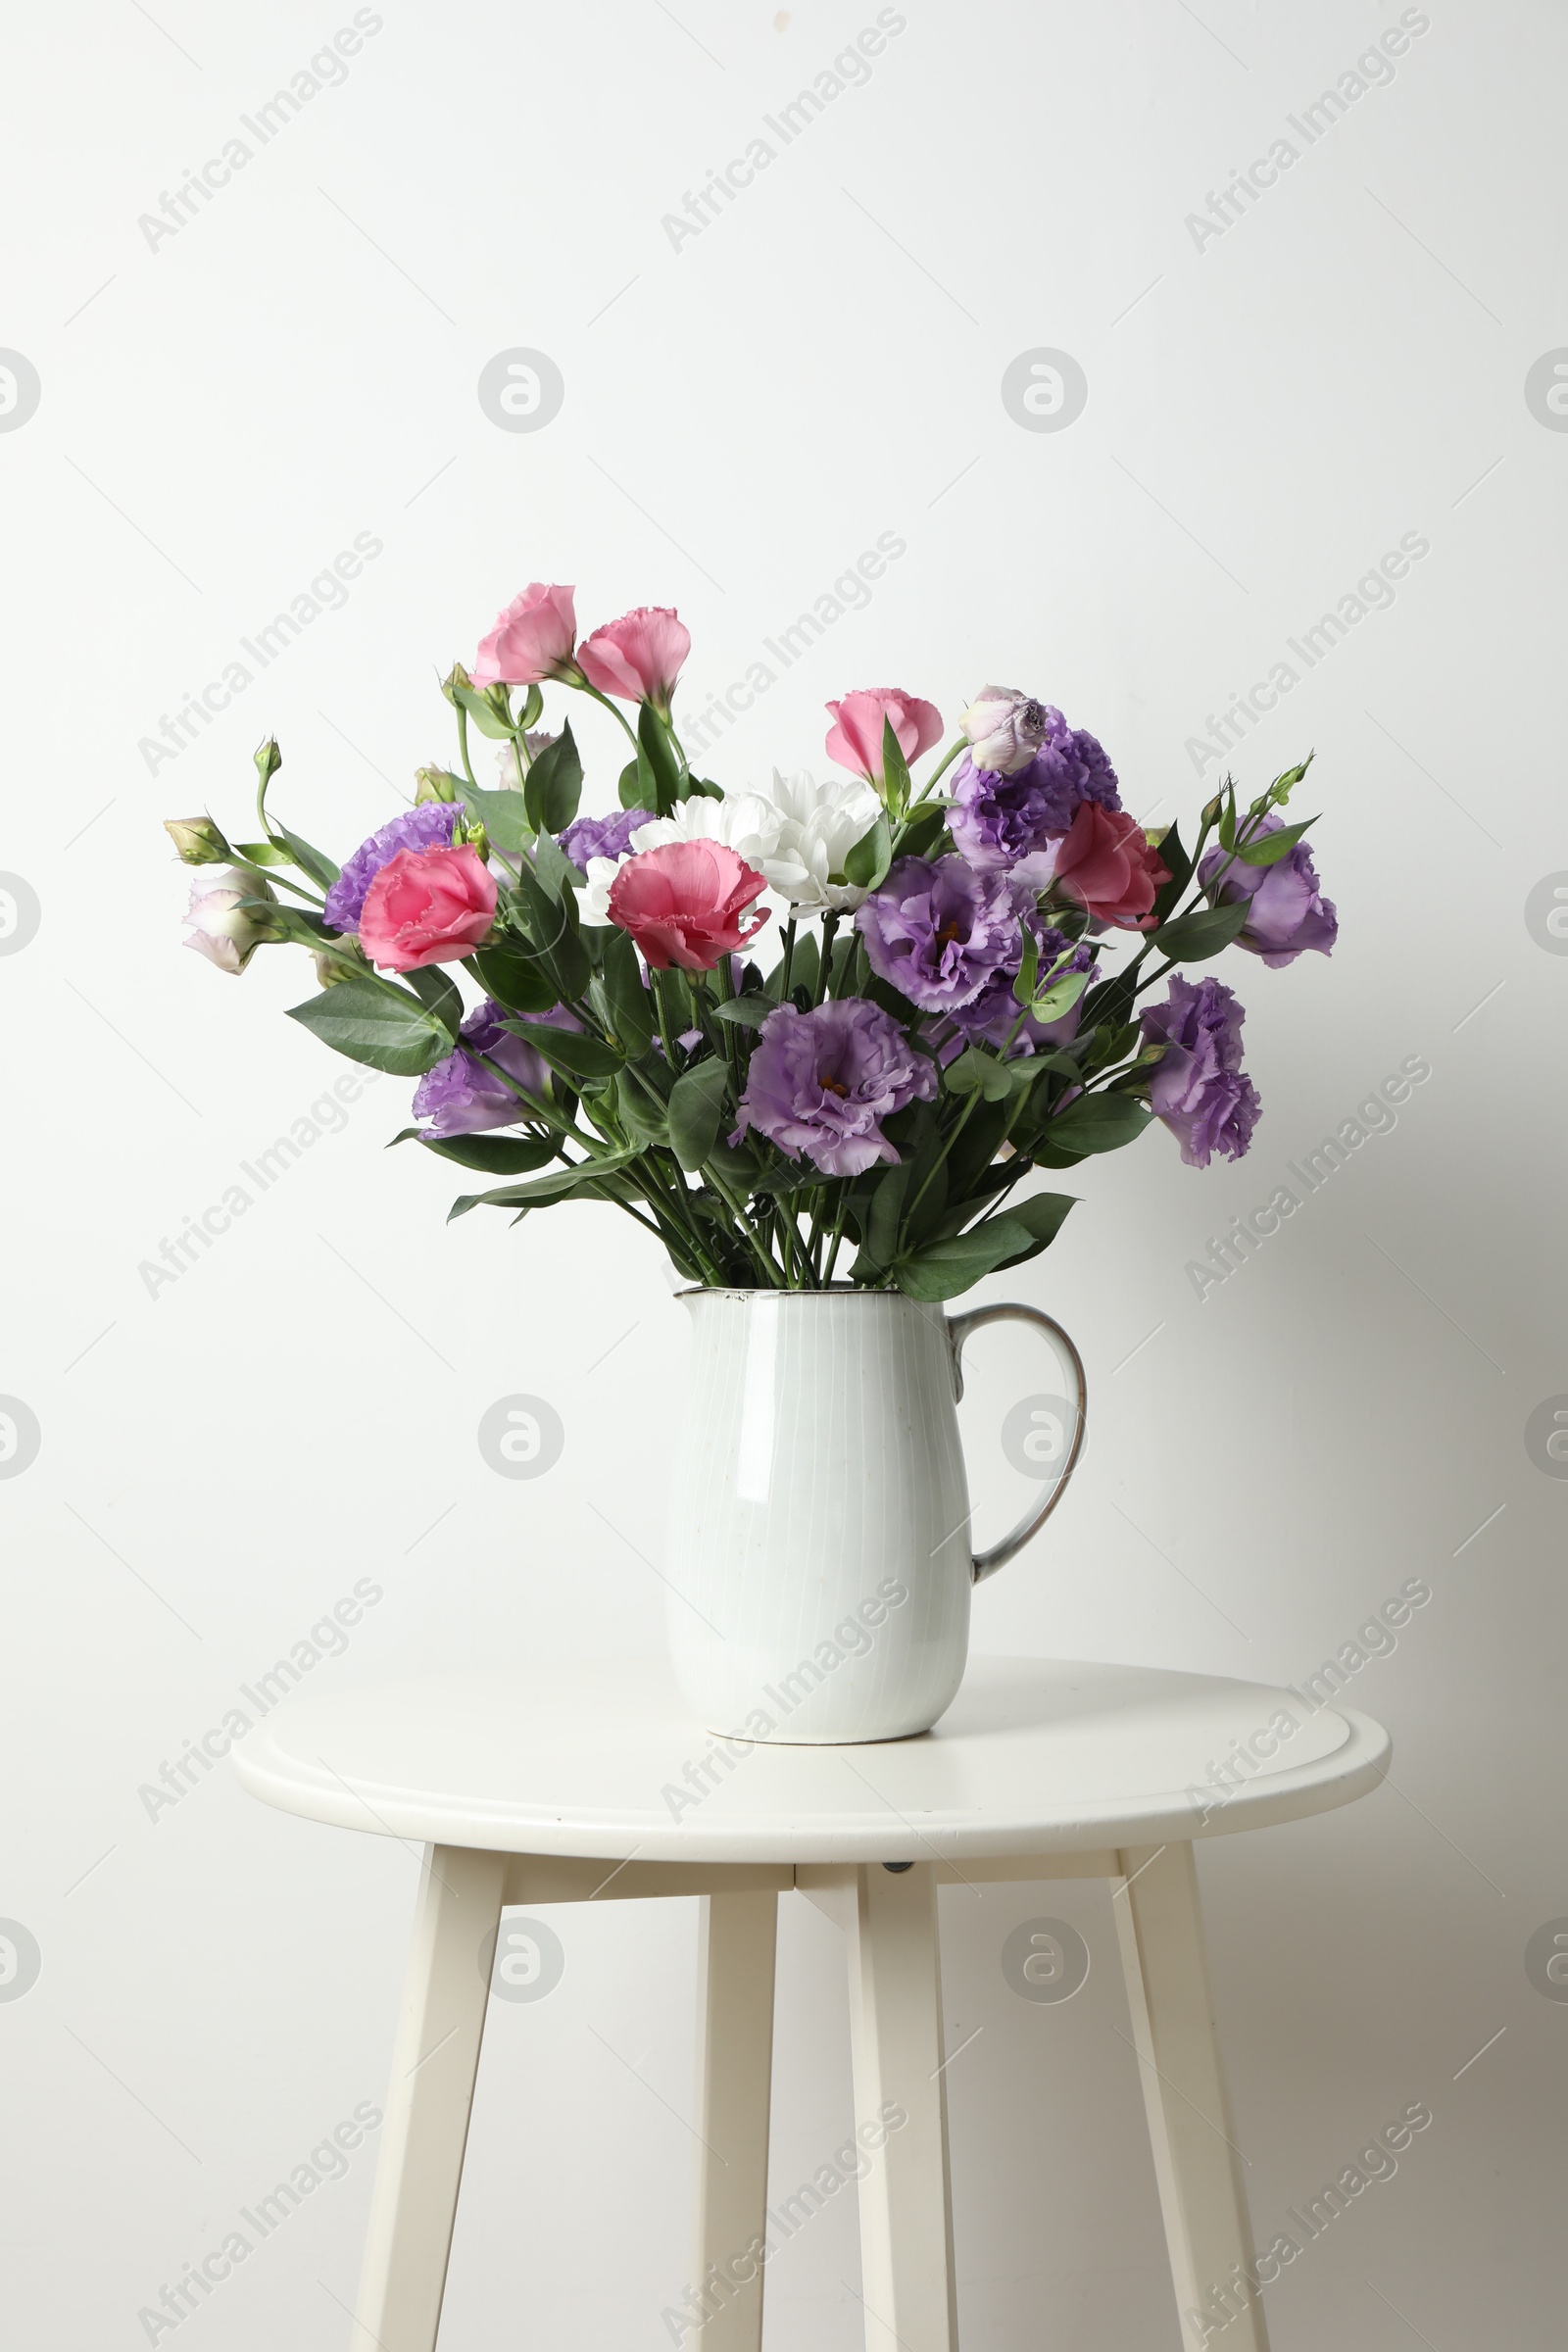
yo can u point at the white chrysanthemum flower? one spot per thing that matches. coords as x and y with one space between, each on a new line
818 824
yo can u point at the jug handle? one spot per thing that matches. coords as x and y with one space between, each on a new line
960 1327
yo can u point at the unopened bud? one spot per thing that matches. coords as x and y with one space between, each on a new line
435 784
197 839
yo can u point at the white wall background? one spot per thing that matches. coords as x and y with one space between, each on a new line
219 1462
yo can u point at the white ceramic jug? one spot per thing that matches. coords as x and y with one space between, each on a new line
820 1558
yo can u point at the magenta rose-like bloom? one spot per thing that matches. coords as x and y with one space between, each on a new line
937 931
1288 912
855 740
639 657
1200 1088
463 1096
427 906
532 641
686 903
821 1082
427 826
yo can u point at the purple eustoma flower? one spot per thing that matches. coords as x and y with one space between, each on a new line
1200 1088
461 1095
1288 912
937 931
991 1015
428 826
601 836
998 820
821 1082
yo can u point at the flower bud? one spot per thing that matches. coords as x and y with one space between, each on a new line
223 927
338 964
435 784
1004 730
197 839
456 676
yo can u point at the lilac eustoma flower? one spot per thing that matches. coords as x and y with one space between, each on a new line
937 931
427 826
1200 1088
993 1013
999 819
821 1082
601 836
1288 912
461 1095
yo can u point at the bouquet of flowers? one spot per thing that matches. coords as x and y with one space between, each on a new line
803 1032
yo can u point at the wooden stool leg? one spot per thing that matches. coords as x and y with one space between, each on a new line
1199 2168
896 2037
437 2055
737 1945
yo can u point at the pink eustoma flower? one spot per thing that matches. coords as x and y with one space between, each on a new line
532 641
685 904
637 657
855 740
1106 862
427 906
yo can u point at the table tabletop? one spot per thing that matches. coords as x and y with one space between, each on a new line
602 1760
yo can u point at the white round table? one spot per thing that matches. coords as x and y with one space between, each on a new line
578 1783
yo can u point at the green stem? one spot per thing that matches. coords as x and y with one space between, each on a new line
462 744
939 770
614 709
830 925
789 959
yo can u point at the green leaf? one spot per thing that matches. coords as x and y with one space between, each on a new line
369 1021
894 770
1097 1123
478 710
746 1012
312 861
638 1112
557 1186
1178 864
866 865
1023 986
263 853
942 1269
438 994
517 982
555 869
1196 936
553 786
504 816
696 1107
974 1072
491 1154
628 1003
1269 847
551 925
655 746
920 829
637 789
1045 1214
1060 996
572 1051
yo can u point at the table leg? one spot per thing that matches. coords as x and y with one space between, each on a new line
900 2098
737 1942
426 2128
1199 2168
